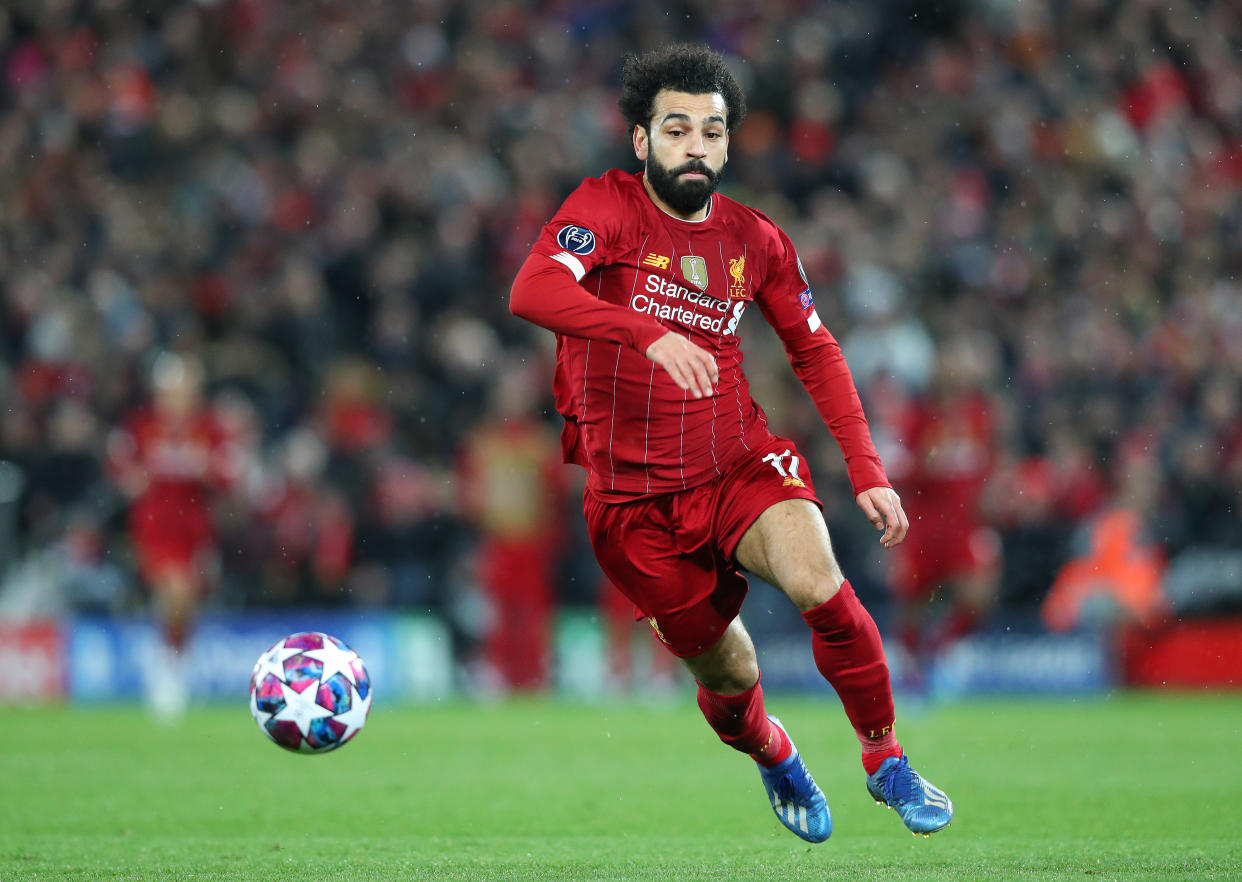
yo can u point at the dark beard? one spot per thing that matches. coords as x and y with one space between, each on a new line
684 197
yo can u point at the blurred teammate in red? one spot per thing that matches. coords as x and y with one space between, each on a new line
512 494
170 457
645 278
948 436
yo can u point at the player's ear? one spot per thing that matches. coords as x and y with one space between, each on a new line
641 143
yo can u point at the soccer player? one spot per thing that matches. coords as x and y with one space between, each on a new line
172 457
953 561
645 278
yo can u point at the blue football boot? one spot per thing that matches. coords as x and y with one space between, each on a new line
796 798
923 807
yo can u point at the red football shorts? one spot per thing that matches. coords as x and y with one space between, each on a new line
672 554
168 539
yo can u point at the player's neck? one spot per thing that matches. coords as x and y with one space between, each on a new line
696 217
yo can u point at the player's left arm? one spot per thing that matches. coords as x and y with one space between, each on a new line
815 355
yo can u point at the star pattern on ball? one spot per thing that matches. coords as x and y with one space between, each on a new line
334 661
301 707
354 718
254 707
273 662
305 692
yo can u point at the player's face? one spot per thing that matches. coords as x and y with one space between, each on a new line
685 148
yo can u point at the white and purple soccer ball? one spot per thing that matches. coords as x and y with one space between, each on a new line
310 693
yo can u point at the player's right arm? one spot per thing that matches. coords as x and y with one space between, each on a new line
547 290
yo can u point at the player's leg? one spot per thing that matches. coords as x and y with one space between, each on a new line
706 634
910 589
788 546
731 699
176 599
667 567
175 594
972 586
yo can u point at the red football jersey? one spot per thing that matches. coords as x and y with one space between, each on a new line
627 421
181 467
951 456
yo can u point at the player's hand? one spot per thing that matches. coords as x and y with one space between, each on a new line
692 367
882 506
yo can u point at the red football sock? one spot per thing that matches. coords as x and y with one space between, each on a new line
876 750
848 652
742 723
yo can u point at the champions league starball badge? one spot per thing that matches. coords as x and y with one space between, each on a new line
576 240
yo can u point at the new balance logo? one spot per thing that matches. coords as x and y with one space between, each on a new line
659 261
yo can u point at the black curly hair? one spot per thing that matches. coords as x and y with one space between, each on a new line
682 67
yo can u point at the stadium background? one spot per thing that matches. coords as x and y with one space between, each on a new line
326 203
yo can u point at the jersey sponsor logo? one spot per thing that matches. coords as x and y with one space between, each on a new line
659 261
576 240
789 475
655 627
806 300
691 316
668 288
695 271
737 272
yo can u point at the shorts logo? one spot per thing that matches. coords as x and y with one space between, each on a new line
659 261
656 628
695 271
790 474
737 271
576 240
806 300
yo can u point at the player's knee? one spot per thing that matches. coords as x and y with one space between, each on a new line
811 586
731 680
729 672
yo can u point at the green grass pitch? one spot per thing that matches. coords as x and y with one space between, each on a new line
1128 787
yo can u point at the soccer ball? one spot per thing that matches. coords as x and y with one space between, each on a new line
310 693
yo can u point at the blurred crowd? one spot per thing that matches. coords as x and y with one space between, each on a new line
1022 220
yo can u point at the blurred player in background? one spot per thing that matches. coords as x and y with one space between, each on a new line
948 440
512 493
636 657
645 277
170 458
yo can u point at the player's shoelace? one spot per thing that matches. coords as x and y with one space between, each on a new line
902 784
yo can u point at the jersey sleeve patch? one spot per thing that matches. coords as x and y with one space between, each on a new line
576 240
